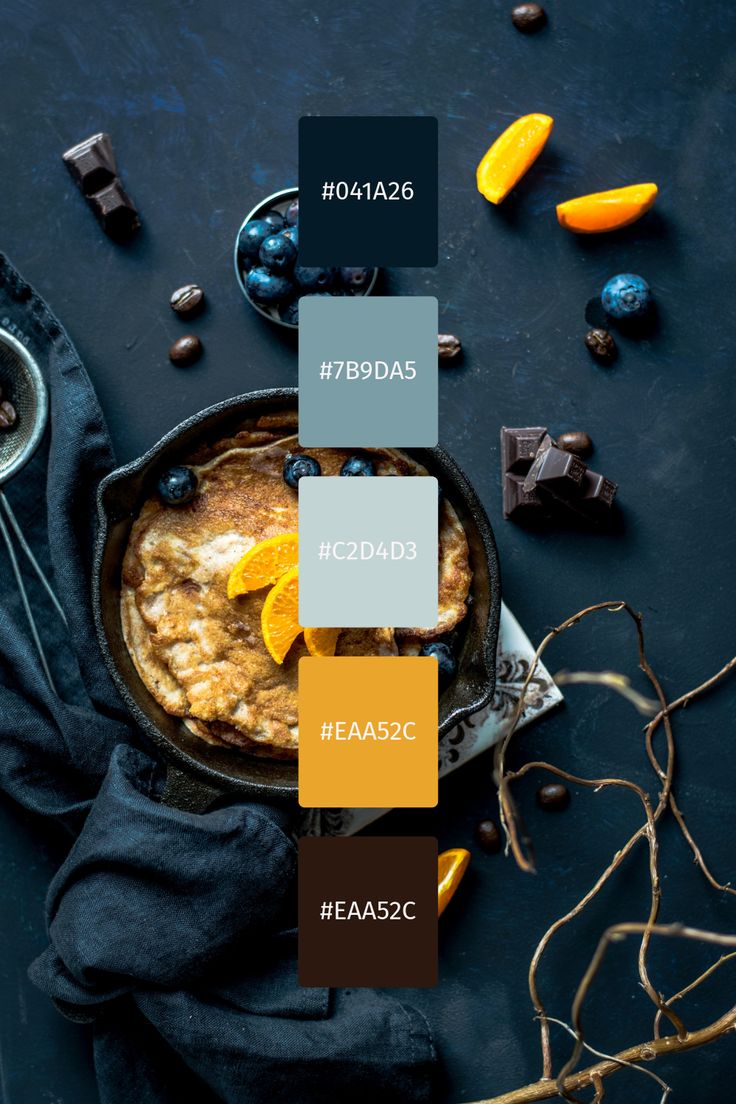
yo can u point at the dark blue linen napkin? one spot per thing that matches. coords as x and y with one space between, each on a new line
171 932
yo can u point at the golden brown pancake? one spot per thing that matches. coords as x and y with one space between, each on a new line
202 655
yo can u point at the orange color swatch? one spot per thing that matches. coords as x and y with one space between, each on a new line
368 732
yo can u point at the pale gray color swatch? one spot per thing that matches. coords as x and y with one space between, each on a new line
397 587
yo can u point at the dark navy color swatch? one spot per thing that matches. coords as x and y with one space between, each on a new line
344 162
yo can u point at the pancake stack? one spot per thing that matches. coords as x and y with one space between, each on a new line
201 655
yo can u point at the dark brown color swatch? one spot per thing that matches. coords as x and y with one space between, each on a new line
383 876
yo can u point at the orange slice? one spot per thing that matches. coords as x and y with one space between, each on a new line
321 642
279 616
603 211
511 155
263 564
451 865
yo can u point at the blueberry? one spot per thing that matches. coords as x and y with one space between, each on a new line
314 279
267 287
626 296
446 660
356 278
250 238
177 486
290 312
295 466
292 233
291 217
275 220
358 465
277 253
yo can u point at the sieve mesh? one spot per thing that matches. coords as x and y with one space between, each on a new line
20 386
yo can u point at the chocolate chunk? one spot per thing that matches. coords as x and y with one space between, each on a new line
115 211
539 477
596 491
592 500
555 470
518 450
519 447
519 504
92 163
92 166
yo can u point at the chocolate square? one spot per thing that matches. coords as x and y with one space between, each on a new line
92 163
518 503
555 470
519 447
114 208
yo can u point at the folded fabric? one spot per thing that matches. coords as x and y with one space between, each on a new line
171 932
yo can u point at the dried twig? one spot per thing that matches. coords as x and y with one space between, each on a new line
689 988
510 822
596 1079
546 1087
613 934
612 680
521 847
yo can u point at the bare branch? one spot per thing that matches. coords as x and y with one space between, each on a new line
614 934
595 1078
546 1087
613 681
521 846
693 985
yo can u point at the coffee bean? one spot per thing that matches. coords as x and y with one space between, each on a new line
553 796
448 346
488 836
186 350
528 18
575 441
187 301
601 344
8 415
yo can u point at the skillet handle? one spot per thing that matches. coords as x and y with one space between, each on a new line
187 792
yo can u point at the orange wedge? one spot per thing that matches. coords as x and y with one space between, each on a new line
511 155
602 211
321 642
279 616
451 865
263 564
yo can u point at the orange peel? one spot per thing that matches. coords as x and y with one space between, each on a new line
451 866
263 564
280 615
603 211
321 642
511 155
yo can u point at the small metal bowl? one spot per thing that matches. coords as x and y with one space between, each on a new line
279 201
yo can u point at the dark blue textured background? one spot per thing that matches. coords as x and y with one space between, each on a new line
202 101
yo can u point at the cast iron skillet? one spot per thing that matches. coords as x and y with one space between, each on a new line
199 772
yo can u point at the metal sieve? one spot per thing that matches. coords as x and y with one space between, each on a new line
22 383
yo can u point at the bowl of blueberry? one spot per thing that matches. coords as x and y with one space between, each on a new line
267 268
